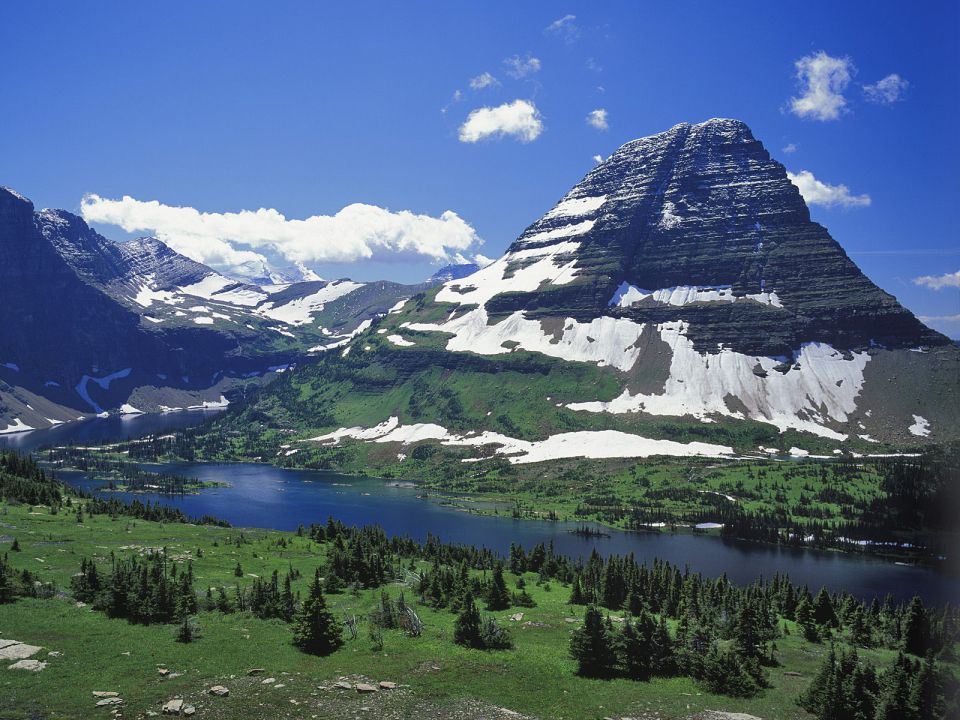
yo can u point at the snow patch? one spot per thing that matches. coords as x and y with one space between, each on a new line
920 427
17 426
822 385
103 382
573 207
300 311
399 340
128 409
604 340
627 295
585 444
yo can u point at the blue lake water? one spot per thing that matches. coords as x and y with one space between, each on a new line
271 497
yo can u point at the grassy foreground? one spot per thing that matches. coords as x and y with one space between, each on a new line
435 677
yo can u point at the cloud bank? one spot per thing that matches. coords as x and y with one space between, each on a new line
233 241
938 282
816 192
822 80
519 119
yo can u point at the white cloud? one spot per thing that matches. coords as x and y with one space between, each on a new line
886 91
230 241
482 260
789 148
822 81
483 80
938 282
598 119
598 158
565 28
519 67
519 119
815 192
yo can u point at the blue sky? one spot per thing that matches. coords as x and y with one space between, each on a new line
308 108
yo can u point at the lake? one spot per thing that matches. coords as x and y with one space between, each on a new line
270 497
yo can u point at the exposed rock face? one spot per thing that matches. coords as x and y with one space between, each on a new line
688 263
704 207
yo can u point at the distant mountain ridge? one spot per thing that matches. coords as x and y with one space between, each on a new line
89 326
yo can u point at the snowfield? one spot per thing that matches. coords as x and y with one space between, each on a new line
604 340
582 444
820 386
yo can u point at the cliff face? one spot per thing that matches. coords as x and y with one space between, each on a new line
698 224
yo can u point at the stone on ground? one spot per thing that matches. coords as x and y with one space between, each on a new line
16 650
219 691
31 665
366 688
173 707
387 685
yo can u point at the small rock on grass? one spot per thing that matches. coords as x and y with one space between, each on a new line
109 701
366 688
387 685
31 665
343 685
219 691
256 671
105 693
173 707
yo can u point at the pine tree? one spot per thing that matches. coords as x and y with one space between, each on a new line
6 584
238 571
16 546
591 646
916 629
926 697
466 628
636 647
315 630
577 596
498 597
895 698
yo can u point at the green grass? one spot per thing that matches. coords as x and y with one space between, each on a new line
97 653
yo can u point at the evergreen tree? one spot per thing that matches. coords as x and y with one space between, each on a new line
6 584
926 696
16 546
895 697
466 628
636 647
591 646
577 596
498 597
315 630
916 628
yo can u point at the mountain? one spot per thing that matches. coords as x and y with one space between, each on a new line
453 272
677 300
88 325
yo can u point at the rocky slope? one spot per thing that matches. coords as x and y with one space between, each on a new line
89 326
686 272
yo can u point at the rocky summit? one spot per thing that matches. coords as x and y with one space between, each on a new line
687 266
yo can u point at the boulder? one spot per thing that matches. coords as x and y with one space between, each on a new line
343 685
387 685
16 650
366 688
109 701
219 691
173 707
31 665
